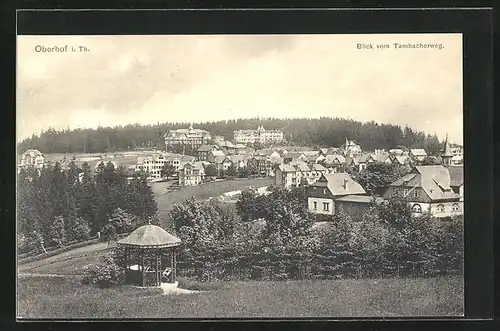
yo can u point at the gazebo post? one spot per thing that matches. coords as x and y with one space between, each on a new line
175 265
158 267
126 263
172 265
143 273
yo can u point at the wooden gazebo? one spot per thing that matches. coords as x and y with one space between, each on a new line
145 250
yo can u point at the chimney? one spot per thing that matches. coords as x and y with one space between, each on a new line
345 183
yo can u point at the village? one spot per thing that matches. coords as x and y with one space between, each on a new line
433 183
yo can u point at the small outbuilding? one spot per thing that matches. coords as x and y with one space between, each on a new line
147 249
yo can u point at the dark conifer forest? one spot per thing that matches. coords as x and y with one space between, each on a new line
320 132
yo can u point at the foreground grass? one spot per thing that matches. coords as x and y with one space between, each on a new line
204 191
40 297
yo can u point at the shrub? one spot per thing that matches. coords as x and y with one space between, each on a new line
106 274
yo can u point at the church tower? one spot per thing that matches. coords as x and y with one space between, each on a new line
447 154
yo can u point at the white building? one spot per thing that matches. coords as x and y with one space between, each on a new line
32 158
194 138
151 164
295 173
260 135
350 148
418 154
191 174
431 189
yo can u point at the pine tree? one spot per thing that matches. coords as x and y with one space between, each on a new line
57 233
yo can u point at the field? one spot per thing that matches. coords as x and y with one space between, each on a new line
50 297
204 191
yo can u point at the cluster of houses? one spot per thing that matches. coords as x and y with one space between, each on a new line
437 188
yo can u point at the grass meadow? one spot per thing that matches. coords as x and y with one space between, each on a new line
63 298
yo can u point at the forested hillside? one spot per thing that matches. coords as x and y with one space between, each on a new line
323 132
56 207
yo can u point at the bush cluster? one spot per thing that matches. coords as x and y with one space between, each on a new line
387 242
105 274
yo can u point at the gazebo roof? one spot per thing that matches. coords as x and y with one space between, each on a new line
150 236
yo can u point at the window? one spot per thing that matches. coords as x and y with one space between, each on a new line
415 193
455 207
315 204
405 192
417 208
440 209
326 206
324 191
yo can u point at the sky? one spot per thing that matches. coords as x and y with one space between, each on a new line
124 80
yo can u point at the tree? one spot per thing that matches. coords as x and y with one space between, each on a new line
249 206
286 213
167 170
377 176
334 252
210 170
429 161
57 234
243 172
88 199
140 198
252 169
76 228
231 171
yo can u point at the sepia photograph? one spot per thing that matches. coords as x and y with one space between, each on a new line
239 176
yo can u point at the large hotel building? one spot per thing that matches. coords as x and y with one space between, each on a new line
190 137
260 135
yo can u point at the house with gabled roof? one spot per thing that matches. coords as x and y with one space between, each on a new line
205 150
265 164
376 157
268 152
323 151
457 180
334 163
294 174
429 189
338 191
418 154
32 158
294 156
353 162
350 148
190 137
237 160
402 160
214 154
191 174
312 159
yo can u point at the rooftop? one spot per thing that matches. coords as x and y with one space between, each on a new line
339 184
150 236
